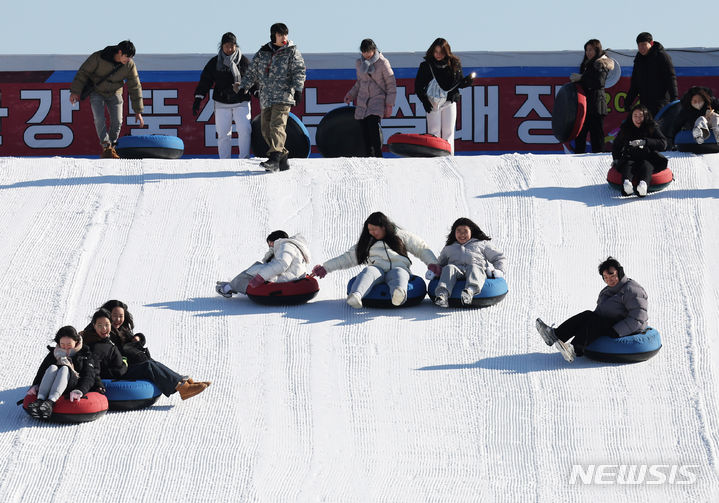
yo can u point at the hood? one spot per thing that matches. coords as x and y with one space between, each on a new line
268 47
108 54
604 62
299 241
655 49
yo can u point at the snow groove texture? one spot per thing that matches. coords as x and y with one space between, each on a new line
322 402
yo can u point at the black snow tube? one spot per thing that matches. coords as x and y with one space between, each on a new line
150 146
685 142
667 116
570 110
339 134
297 143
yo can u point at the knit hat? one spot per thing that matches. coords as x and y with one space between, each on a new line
229 37
645 36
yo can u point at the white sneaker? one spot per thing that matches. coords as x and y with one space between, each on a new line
642 189
566 349
224 289
355 300
398 297
441 300
628 187
467 296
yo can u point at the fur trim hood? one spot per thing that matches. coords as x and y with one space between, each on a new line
604 62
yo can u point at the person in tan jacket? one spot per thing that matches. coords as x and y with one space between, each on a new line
101 77
374 94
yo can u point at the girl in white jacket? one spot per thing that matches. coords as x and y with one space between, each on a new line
383 246
286 260
468 256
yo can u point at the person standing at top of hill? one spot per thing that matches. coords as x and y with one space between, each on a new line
278 69
102 77
374 94
439 78
653 78
222 72
592 75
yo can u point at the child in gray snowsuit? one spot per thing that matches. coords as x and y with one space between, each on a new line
468 256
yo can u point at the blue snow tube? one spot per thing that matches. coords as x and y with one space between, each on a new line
685 142
494 290
629 349
380 296
130 395
298 138
150 146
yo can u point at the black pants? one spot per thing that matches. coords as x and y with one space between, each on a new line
594 125
585 327
164 378
641 169
372 135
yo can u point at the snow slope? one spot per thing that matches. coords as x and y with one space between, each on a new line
324 403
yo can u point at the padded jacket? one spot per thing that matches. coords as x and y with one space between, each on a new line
626 304
473 252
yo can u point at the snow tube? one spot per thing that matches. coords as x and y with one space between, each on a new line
685 143
570 110
290 293
88 408
418 145
667 116
339 134
297 143
130 395
380 296
658 182
493 291
150 146
630 349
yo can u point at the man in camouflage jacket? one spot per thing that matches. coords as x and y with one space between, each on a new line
279 71
104 74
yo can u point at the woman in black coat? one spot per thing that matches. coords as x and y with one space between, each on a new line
592 75
440 99
636 150
223 72
68 369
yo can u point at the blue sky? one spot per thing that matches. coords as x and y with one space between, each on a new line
51 27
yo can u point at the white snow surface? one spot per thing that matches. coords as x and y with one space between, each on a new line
321 402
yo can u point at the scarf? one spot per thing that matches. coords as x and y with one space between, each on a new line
65 357
367 65
232 62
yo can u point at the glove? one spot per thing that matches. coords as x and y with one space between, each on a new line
75 394
427 105
575 77
33 390
196 107
435 268
319 271
637 143
467 81
256 281
298 97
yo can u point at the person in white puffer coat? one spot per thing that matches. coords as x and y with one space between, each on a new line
286 260
468 256
383 247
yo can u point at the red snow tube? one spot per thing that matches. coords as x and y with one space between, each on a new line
570 110
659 180
294 292
418 145
88 408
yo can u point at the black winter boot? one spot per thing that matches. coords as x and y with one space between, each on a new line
284 162
273 163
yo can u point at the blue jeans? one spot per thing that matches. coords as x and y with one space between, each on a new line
164 378
98 103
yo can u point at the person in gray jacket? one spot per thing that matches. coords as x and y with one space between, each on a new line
286 260
621 310
278 69
468 256
384 247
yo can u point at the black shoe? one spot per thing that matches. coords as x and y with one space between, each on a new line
45 409
32 409
284 162
273 163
